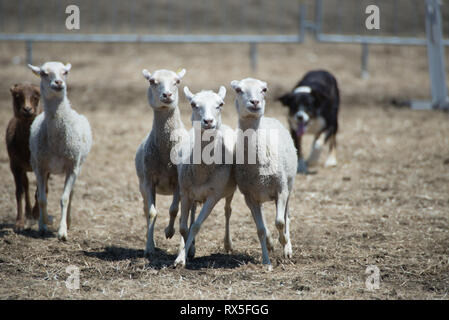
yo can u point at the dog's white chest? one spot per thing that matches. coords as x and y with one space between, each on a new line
315 125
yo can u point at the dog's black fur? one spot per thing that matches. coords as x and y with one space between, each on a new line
323 101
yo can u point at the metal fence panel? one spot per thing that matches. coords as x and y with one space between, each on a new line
154 21
402 22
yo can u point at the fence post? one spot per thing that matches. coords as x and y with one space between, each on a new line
29 51
435 54
253 55
365 54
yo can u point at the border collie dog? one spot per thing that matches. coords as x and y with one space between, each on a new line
313 105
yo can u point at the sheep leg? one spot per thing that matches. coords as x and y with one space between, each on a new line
65 201
281 205
36 200
256 211
195 228
20 220
41 178
28 210
282 223
228 211
36 206
151 219
191 252
145 205
288 247
270 243
69 210
186 205
174 207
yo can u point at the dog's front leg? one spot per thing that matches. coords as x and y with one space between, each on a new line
302 165
315 153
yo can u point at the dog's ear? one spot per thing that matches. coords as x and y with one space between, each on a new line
286 99
320 94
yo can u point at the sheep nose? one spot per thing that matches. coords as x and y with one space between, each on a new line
300 117
28 109
166 95
208 121
58 82
254 102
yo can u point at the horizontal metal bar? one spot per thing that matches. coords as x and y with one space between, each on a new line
337 38
221 38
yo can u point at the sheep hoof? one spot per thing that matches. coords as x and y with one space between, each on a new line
268 267
19 226
288 251
228 246
169 232
330 162
180 262
62 235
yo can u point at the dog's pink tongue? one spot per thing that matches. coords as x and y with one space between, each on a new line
300 130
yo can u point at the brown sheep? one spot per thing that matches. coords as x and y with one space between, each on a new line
26 107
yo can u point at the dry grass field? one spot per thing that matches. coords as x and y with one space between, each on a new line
385 204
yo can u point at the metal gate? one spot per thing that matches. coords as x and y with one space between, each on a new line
155 21
403 22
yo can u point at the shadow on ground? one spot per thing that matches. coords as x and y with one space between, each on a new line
219 261
6 228
161 259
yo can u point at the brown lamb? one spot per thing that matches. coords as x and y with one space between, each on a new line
26 107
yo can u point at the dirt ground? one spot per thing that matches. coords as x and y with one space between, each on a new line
386 203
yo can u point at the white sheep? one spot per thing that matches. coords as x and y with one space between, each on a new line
206 171
270 177
60 140
155 170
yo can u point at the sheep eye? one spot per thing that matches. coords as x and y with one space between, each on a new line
152 82
44 74
264 90
65 73
220 105
238 90
178 81
193 104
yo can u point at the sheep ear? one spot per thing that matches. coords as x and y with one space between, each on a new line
188 93
36 70
13 88
222 92
146 74
181 73
67 67
235 86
